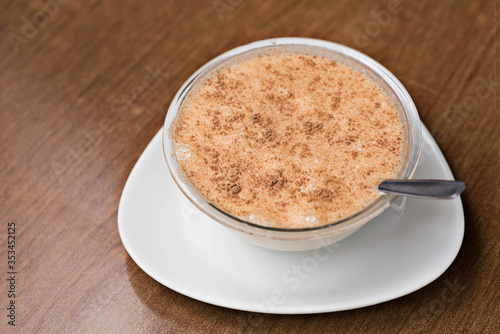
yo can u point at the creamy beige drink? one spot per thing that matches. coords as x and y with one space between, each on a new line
288 140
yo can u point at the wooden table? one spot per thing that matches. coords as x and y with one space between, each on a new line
78 108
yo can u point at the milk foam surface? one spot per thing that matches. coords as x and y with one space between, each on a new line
288 140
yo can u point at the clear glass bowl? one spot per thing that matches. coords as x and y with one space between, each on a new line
313 237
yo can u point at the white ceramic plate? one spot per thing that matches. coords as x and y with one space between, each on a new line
405 248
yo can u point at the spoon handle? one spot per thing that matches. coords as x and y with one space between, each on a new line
423 188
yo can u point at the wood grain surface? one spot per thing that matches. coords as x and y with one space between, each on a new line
78 107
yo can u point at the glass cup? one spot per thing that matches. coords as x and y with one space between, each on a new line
298 239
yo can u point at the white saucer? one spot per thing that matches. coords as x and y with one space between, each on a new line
391 256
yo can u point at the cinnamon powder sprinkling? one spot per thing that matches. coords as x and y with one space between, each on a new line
280 138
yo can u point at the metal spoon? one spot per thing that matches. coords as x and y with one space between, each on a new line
440 189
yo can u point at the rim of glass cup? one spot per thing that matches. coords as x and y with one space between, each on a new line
406 171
